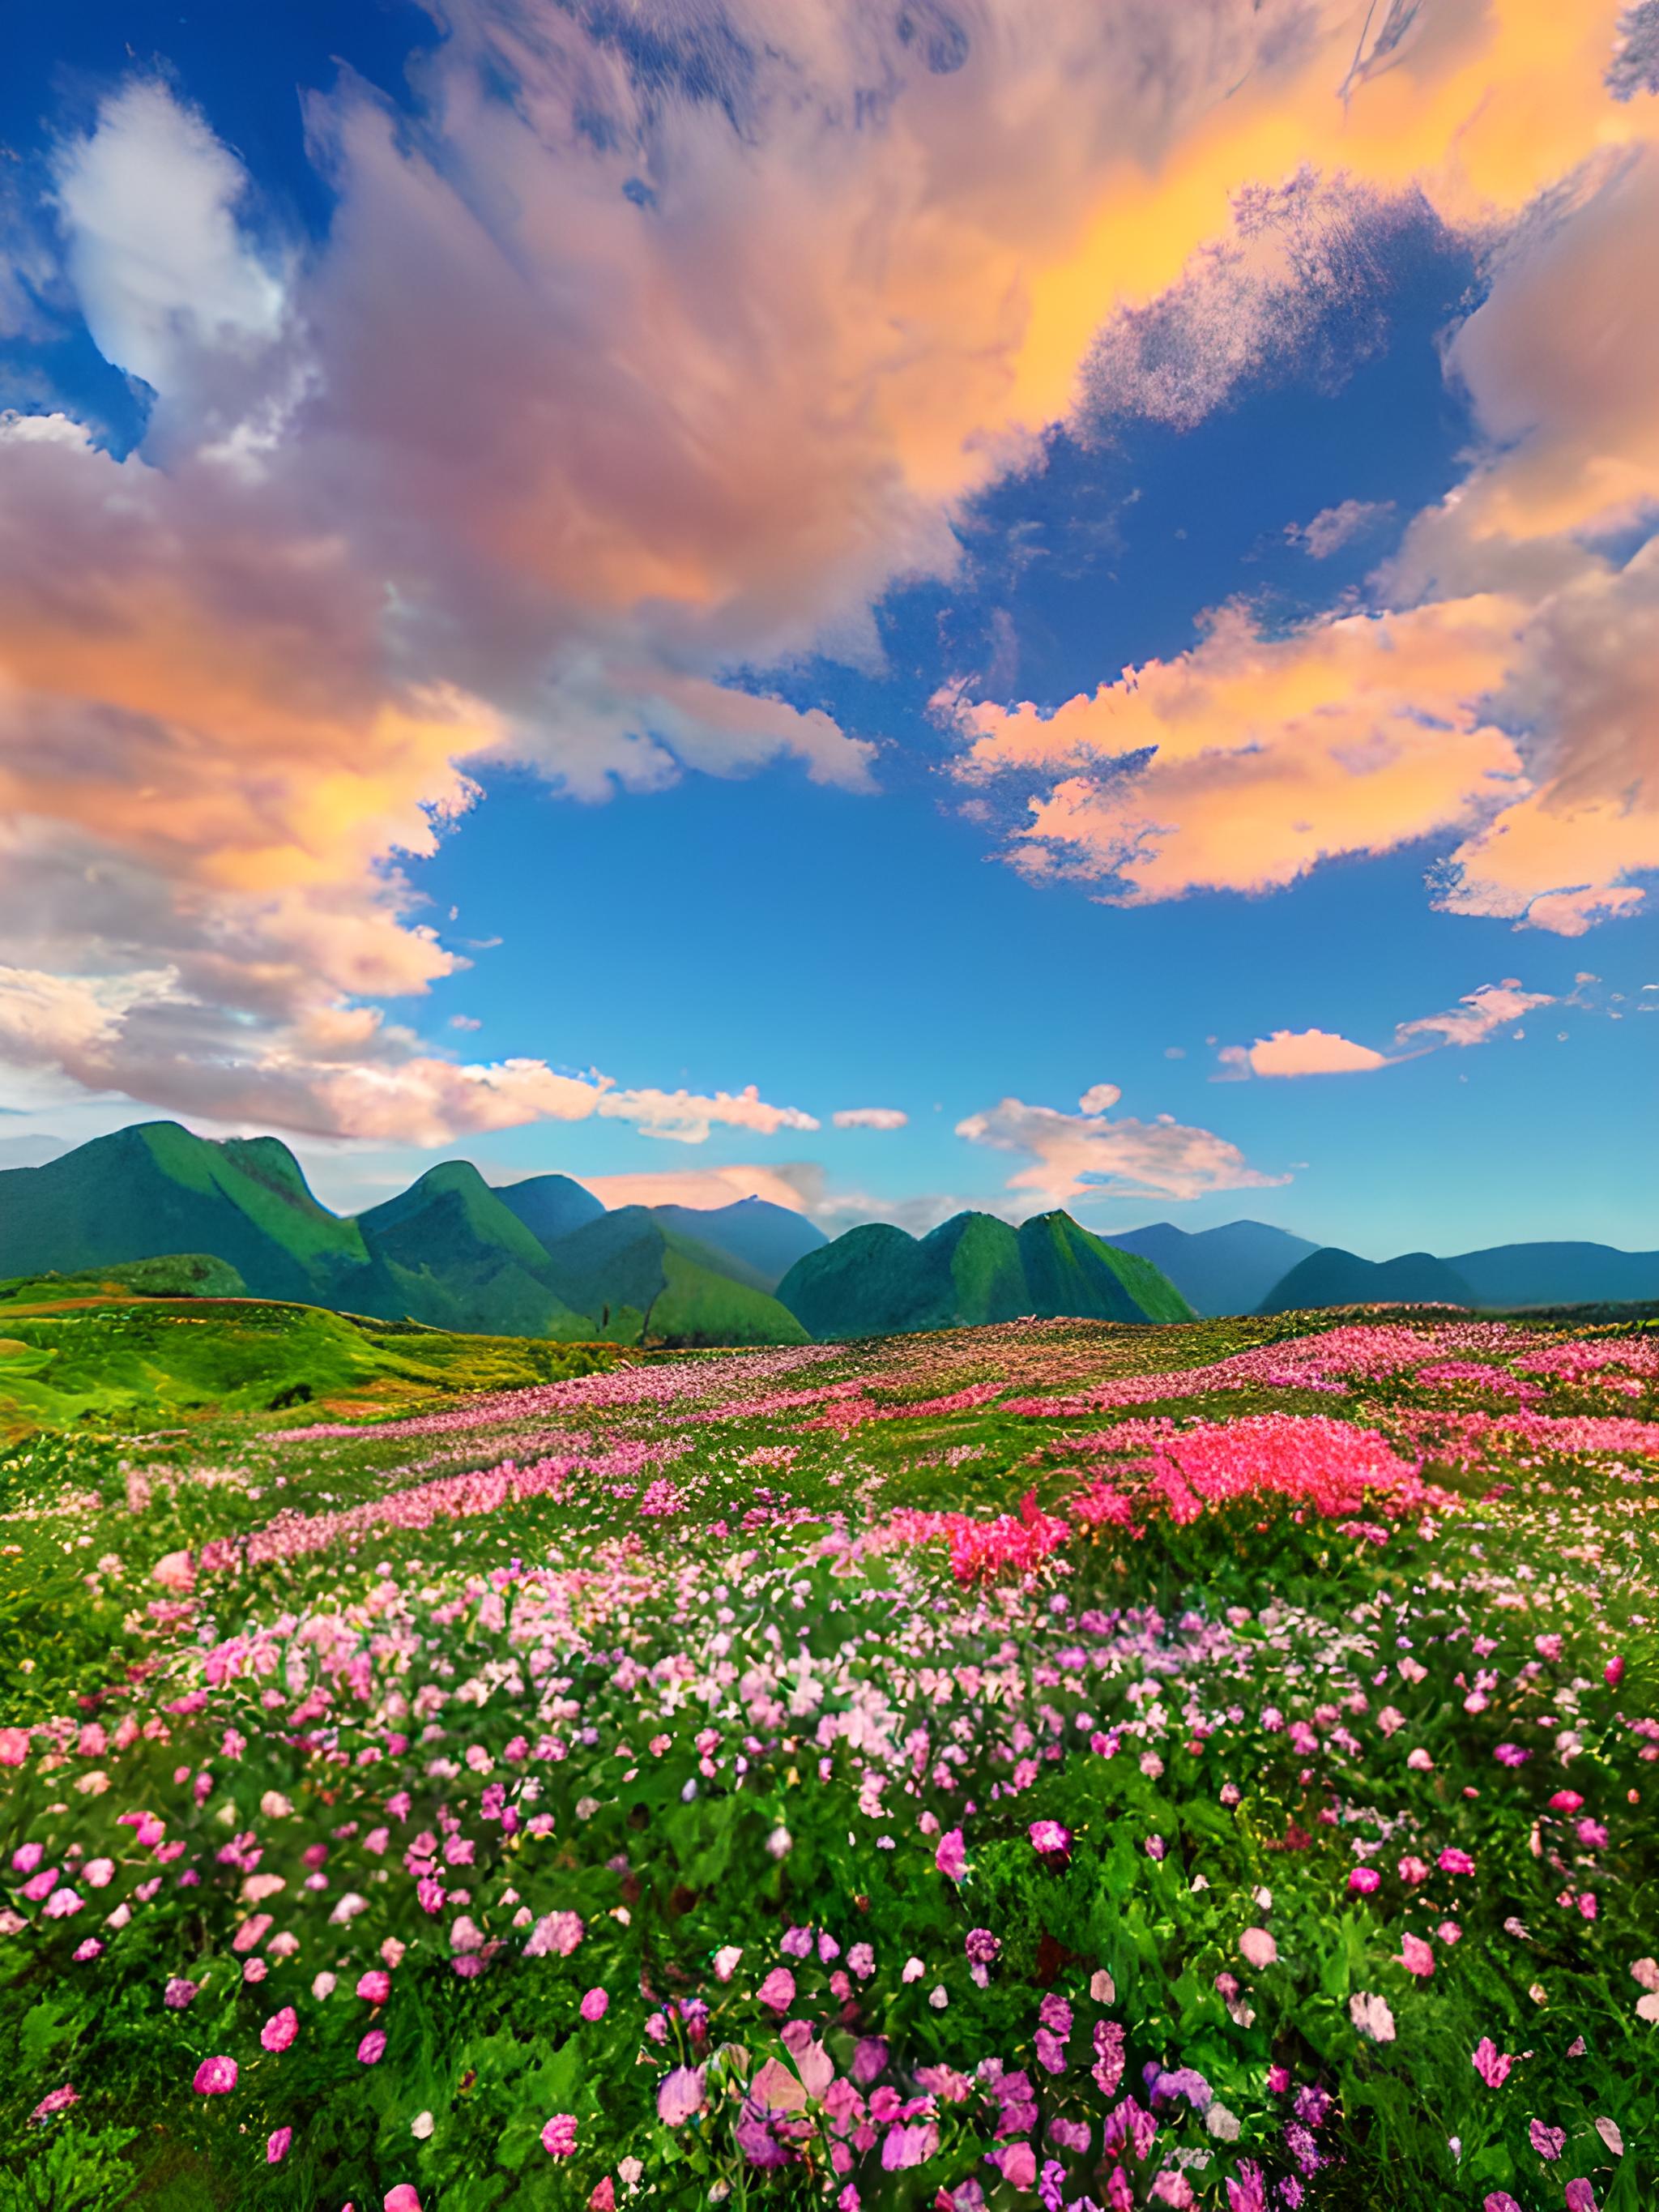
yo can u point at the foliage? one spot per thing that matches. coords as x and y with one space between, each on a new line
1057 1764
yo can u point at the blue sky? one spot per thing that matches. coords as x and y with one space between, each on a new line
562 661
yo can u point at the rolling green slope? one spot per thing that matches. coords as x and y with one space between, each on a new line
155 1190
1331 1276
446 1251
635 1276
876 1280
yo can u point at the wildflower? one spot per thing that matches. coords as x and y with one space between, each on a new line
1258 1947
777 1991
1415 1956
1492 2067
1372 2017
726 1961
280 2030
559 2136
277 2145
55 2100
952 1858
372 2048
421 2126
680 2095
1580 2197
1050 1839
1549 2142
981 1947
374 1986
594 2005
1364 1881
178 1992
400 2197
322 1986
214 2077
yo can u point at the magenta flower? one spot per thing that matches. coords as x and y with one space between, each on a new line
215 2077
1549 2142
55 2100
1580 2197
277 2145
400 2197
595 2005
981 1947
559 2136
1490 2064
178 1993
375 1986
1050 1839
1500 2201
1018 2164
777 1991
680 2095
280 2030
1456 1862
372 2048
951 1857
1415 1956
1510 1754
1364 1881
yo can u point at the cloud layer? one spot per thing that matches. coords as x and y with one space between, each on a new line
1086 1155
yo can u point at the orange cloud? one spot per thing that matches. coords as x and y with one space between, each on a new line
796 1185
1079 1155
1311 1052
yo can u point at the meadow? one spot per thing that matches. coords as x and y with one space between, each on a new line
1058 1764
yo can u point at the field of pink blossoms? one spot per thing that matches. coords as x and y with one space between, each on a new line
1050 1766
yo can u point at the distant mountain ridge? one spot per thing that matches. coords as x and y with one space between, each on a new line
878 1280
1331 1277
540 1258
1228 1270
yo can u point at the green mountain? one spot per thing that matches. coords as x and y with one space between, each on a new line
550 1206
1331 1277
155 1190
878 1281
766 1237
638 1277
446 1251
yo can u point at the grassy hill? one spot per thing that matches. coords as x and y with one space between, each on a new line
120 1362
447 1252
878 1281
637 1277
1331 1276
155 1190
767 1238
550 1206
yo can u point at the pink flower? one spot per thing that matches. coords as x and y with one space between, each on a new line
1549 2142
1364 1881
1018 2164
173 1571
1490 2064
559 2136
1500 2201
57 2101
601 2197
280 2030
777 1991
372 2048
595 2005
1613 1673
1580 2197
1258 1947
951 1857
400 2197
215 2077
277 2145
13 1750
178 1993
680 2095
1415 1956
1456 1862
374 1986
1050 1839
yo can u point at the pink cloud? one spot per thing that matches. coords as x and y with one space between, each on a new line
1077 1155
1311 1052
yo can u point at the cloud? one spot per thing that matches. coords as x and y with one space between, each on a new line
687 1117
1098 1098
1244 764
1334 527
1476 1015
1310 1052
611 378
1074 1155
796 1184
869 1117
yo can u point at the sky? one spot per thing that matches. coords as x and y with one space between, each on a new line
997 603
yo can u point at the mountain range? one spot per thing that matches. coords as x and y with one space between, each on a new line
544 1258
876 1280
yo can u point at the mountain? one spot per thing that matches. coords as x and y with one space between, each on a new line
550 1205
634 1277
153 1190
1228 1270
448 1252
766 1237
1557 1274
878 1281
1331 1277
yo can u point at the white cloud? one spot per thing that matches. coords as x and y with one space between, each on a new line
869 1117
1333 527
1073 1154
1476 1015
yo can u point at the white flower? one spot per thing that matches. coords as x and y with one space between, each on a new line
1371 2016
587 1807
1222 2123
421 2126
779 1843
1101 1987
939 1998
322 1986
726 1961
914 1971
630 2171
275 1806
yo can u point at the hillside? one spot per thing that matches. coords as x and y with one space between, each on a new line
767 1238
550 1206
878 1281
1229 1270
155 1190
448 1252
1331 1277
634 1276
133 1362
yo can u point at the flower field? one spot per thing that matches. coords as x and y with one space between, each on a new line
1053 1765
